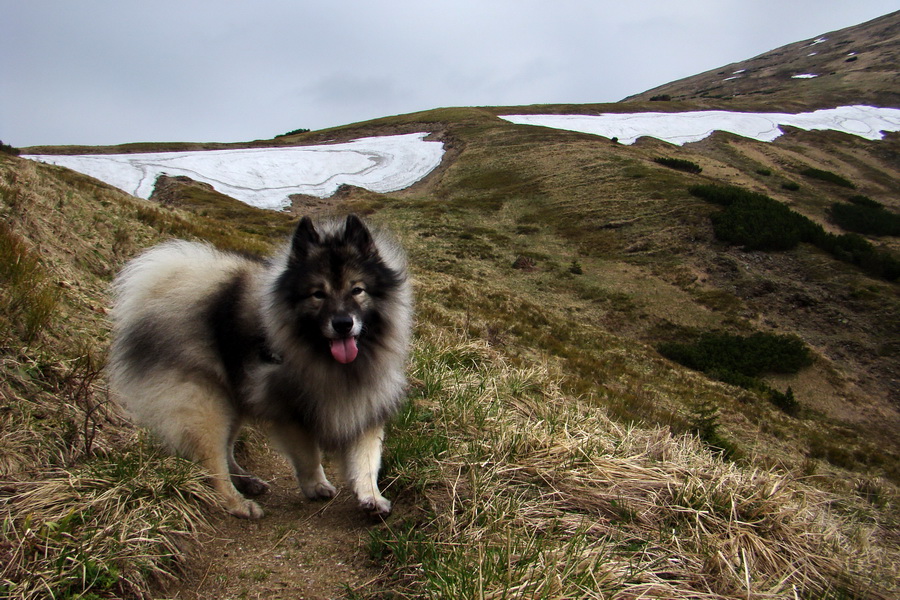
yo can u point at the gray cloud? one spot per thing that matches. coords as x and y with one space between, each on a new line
104 71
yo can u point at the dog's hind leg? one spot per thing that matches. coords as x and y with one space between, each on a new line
207 422
304 454
244 481
362 461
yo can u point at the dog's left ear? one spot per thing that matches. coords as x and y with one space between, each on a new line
357 235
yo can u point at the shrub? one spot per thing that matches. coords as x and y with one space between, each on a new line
294 132
868 217
790 186
784 400
661 98
760 223
827 176
864 201
740 360
764 172
7 149
575 268
678 164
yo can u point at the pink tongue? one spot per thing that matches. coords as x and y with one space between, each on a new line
344 351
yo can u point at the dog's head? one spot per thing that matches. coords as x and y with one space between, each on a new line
334 286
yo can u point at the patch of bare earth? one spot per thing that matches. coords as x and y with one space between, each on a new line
300 549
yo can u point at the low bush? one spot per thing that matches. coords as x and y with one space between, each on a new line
736 358
864 201
293 132
741 360
678 164
865 217
827 176
7 149
758 222
790 186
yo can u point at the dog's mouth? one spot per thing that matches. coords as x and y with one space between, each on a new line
344 350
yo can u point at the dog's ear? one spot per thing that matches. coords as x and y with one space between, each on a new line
305 236
357 235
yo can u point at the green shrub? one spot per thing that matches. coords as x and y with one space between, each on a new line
740 360
293 132
865 201
865 217
678 164
764 172
785 400
7 149
827 176
790 186
758 222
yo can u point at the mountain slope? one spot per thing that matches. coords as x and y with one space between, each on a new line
548 447
854 65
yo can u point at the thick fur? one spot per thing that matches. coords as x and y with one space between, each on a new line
311 343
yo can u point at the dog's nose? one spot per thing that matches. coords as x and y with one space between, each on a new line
342 324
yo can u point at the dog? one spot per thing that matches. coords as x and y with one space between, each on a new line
311 344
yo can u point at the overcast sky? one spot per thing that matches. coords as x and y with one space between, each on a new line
116 71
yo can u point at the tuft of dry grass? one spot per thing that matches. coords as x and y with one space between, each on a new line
110 526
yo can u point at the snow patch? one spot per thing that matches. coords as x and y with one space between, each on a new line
265 177
681 128
804 76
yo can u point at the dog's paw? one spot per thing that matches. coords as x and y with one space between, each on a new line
377 506
246 509
249 485
318 490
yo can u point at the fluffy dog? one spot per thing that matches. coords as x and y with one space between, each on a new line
312 344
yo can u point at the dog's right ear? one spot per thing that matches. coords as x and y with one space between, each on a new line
305 236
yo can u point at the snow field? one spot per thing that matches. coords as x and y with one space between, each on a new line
682 128
266 177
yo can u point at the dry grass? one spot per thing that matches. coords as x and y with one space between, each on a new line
536 494
87 510
110 526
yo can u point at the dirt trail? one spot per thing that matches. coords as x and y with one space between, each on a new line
298 550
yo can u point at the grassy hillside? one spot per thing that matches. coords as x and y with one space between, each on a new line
549 449
638 371
853 65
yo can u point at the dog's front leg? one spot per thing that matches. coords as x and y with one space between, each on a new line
303 452
362 461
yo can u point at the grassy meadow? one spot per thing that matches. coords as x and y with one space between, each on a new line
548 449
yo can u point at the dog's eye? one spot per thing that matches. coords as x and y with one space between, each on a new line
357 291
318 295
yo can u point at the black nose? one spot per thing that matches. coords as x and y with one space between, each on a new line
342 324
